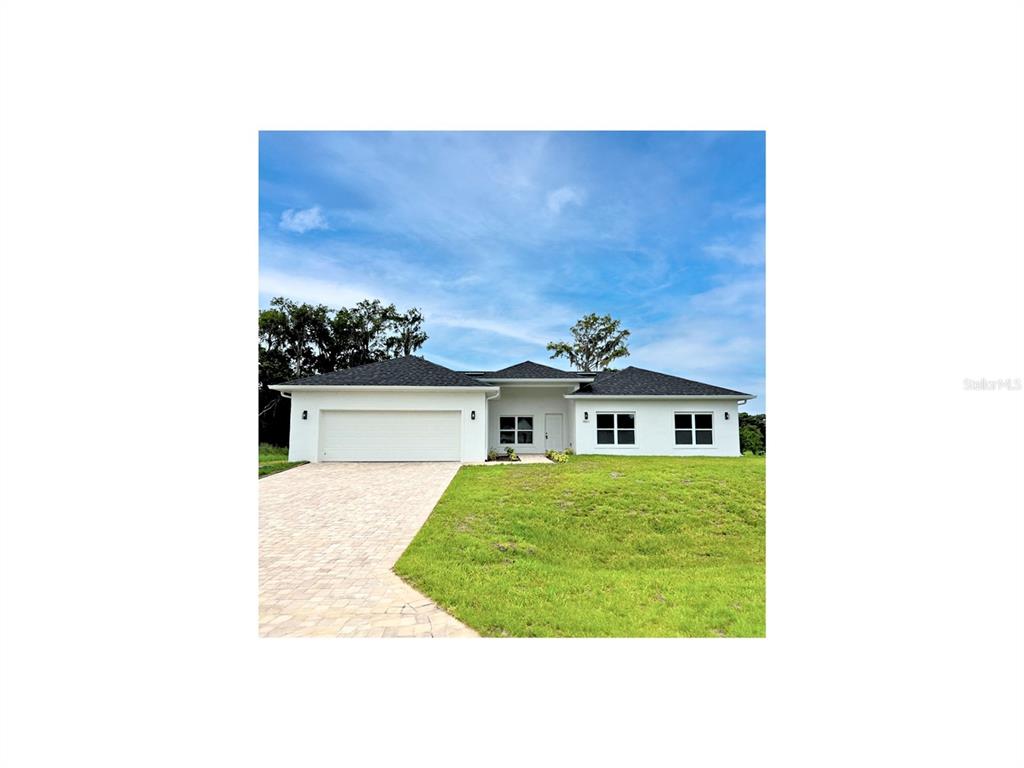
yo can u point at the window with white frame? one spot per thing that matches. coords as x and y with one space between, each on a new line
694 429
515 429
616 429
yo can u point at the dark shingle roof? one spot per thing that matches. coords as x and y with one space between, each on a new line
529 370
637 381
408 371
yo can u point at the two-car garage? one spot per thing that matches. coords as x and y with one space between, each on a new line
402 409
390 435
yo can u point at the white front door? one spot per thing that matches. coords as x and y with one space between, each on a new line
553 440
390 435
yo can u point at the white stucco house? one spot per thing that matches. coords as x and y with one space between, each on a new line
410 409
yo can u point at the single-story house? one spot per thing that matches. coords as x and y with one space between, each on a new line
410 409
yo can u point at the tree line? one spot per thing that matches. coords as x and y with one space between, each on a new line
752 433
298 340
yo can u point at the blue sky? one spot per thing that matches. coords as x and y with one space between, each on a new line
505 239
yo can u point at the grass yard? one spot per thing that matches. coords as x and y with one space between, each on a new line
274 458
601 546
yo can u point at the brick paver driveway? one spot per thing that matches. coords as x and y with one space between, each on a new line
329 534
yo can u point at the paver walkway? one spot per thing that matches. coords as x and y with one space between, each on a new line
524 458
329 535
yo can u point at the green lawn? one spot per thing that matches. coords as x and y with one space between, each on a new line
274 458
601 546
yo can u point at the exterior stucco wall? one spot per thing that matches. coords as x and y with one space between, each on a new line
529 401
304 439
571 425
655 426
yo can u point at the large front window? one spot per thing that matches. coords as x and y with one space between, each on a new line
515 429
694 429
616 429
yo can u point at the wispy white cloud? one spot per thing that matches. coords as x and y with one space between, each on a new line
716 337
304 220
740 210
748 252
462 191
313 290
741 296
749 212
455 363
700 348
563 196
453 190
462 281
459 303
531 334
505 240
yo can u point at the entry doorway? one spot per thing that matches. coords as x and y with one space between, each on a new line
554 439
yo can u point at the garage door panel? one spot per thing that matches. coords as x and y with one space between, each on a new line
390 435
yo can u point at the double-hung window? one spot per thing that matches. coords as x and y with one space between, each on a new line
616 429
515 429
694 429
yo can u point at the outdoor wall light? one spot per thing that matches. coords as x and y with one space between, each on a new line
586 416
304 415
472 415
726 415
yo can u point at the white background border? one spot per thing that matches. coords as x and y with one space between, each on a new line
128 140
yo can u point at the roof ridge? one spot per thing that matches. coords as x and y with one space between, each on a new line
527 367
529 362
407 370
633 380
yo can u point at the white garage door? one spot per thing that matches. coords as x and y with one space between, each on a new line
390 435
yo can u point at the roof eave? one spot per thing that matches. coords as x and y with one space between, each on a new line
595 396
376 387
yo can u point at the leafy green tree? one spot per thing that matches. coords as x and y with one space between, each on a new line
298 340
753 426
275 363
597 342
751 441
338 348
407 334
374 323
